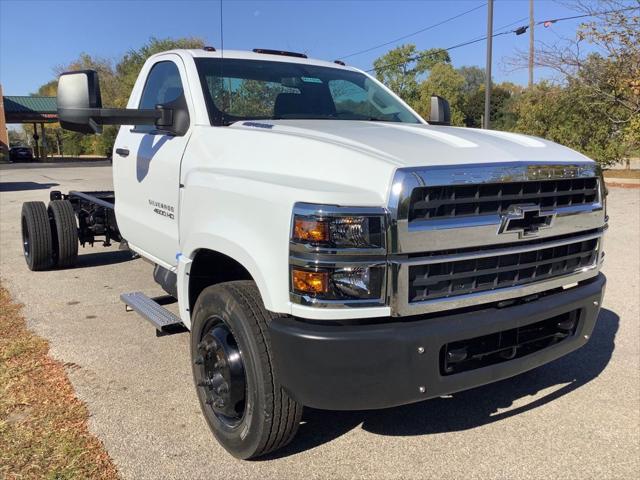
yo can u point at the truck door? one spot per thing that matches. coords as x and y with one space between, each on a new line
146 166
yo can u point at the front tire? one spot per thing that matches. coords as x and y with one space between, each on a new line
246 408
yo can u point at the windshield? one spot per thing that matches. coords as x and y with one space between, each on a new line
260 90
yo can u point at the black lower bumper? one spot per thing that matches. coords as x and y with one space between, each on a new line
358 367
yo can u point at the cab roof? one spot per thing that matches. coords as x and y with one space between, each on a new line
249 55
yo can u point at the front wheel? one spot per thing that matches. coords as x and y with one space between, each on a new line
245 406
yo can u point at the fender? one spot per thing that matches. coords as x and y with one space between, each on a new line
221 245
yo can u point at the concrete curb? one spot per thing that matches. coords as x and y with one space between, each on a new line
622 182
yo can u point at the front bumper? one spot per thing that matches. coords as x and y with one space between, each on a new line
357 367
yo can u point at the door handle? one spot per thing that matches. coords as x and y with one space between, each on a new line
123 152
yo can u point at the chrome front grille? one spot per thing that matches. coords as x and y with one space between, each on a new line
455 201
496 269
456 233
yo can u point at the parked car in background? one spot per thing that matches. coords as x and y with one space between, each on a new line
20 154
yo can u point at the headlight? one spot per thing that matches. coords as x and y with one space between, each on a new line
338 232
338 255
339 284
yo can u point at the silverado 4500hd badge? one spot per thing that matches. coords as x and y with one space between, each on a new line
162 209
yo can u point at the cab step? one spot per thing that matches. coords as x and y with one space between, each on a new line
151 309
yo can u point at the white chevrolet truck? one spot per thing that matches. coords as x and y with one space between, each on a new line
327 246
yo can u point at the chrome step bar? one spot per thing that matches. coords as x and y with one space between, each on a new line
151 309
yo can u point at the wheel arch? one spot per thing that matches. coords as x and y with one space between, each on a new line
203 267
210 267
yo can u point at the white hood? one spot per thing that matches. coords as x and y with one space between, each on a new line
409 145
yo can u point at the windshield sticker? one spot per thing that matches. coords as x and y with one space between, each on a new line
311 80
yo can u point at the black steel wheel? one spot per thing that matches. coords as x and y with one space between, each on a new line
220 372
37 244
245 406
64 230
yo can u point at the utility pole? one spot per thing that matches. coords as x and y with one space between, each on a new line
487 89
531 26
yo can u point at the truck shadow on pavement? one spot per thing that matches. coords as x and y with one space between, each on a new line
103 258
20 186
472 408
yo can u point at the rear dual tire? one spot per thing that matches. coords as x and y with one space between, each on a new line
242 400
64 233
37 243
49 235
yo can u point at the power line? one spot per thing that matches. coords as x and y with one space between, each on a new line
554 20
498 30
414 33
458 45
517 31
512 23
448 49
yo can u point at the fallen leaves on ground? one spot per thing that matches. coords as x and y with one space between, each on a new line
43 425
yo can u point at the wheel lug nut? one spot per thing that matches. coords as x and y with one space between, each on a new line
222 389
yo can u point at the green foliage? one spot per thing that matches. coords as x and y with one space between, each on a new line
129 67
402 68
503 95
17 137
474 78
565 115
49 89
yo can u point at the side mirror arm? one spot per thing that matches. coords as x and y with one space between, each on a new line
160 117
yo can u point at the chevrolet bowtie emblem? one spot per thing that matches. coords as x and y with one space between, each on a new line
525 220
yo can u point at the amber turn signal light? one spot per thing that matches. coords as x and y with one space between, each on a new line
305 281
309 230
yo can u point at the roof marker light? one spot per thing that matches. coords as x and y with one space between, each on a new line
279 52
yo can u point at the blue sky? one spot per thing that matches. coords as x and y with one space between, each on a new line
36 36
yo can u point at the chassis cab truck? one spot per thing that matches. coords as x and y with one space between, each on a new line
326 245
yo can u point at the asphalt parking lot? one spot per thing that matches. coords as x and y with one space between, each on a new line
578 417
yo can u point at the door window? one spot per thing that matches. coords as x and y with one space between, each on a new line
163 85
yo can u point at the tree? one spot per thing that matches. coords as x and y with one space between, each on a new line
605 82
446 82
474 78
17 137
564 114
502 95
129 67
402 68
